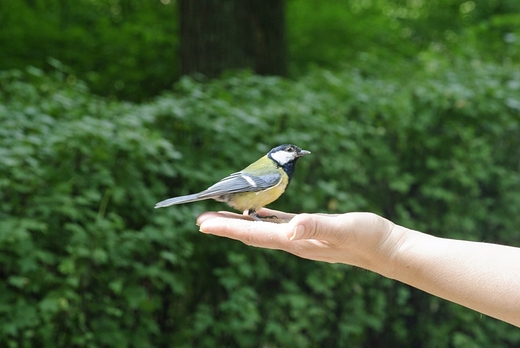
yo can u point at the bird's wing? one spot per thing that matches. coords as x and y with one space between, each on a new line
241 182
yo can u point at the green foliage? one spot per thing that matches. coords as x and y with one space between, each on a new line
87 262
128 48
116 46
419 127
334 33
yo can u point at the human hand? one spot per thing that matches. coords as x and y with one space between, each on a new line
361 239
447 268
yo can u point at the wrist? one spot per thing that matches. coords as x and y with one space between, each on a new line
388 253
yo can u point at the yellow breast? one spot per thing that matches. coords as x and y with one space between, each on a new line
256 200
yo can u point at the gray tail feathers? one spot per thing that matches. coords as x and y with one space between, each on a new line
179 200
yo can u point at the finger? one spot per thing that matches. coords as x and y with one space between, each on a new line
254 233
279 214
271 216
318 227
212 214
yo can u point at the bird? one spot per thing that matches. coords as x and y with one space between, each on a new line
255 186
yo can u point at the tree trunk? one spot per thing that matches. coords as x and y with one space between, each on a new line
216 35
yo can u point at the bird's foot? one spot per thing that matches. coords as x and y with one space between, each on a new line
252 213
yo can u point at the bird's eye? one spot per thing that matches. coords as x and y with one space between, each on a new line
290 149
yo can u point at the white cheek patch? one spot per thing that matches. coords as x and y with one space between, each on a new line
282 157
249 180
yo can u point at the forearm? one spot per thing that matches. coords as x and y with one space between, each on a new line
481 276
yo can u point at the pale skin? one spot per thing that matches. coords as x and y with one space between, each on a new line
482 276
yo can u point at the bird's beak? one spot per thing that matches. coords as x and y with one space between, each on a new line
303 153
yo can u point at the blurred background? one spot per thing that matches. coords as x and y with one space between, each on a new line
411 109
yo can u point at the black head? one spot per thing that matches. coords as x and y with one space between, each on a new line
286 155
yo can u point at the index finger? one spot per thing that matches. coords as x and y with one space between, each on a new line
255 233
276 213
266 215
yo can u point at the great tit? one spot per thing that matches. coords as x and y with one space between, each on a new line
255 186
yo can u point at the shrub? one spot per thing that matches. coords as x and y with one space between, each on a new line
88 262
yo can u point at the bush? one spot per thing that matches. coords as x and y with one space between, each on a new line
117 47
88 262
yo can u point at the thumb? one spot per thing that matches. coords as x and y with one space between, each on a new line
313 226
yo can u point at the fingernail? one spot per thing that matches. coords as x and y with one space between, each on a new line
201 228
297 233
